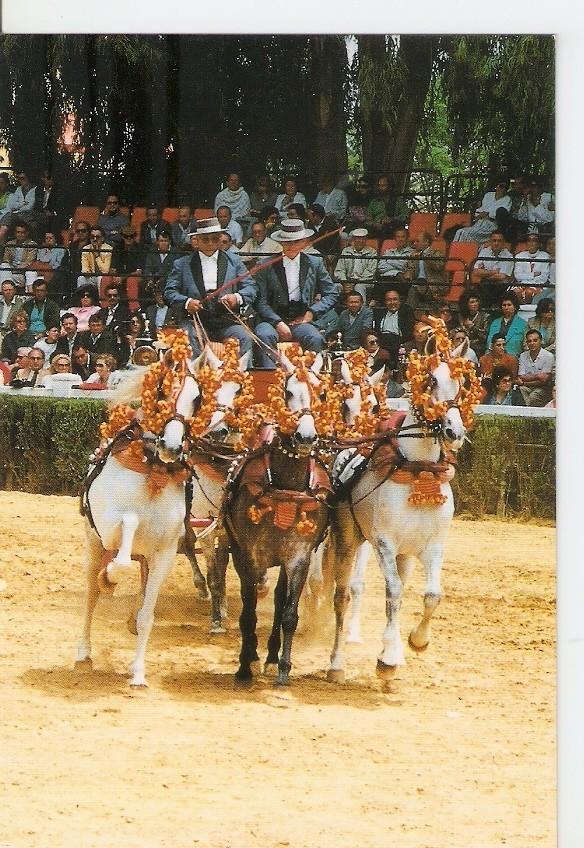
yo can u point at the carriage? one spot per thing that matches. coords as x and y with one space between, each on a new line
264 467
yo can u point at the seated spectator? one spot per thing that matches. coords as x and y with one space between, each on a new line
270 218
394 323
41 311
497 357
10 303
96 257
532 269
552 402
85 304
358 200
69 336
392 270
421 333
354 321
151 228
544 321
474 321
509 325
100 340
377 356
48 342
158 264
81 363
115 314
103 376
258 243
262 195
60 364
230 225
34 373
443 311
19 256
333 200
180 230
49 205
49 254
18 336
385 212
128 257
328 245
426 271
226 244
19 208
289 302
5 192
68 276
494 207
235 198
457 337
297 211
156 313
358 263
136 331
550 290
537 211
21 363
502 390
195 276
111 221
290 195
493 269
536 367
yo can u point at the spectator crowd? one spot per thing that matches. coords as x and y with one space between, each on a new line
344 271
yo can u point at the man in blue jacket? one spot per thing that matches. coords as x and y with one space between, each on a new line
197 275
294 292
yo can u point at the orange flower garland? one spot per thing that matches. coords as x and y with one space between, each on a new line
163 383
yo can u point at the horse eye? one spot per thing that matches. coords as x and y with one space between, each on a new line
433 382
375 407
288 394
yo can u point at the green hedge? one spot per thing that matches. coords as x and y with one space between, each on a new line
508 468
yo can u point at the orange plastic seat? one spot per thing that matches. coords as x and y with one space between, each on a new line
387 244
86 213
138 217
170 214
201 214
422 222
456 286
133 292
440 245
465 250
454 219
374 243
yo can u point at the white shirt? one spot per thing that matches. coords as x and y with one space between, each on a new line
491 204
209 268
527 265
292 269
389 323
542 364
501 264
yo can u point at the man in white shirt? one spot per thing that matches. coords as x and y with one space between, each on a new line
358 263
392 269
228 223
532 266
536 367
259 242
493 269
333 200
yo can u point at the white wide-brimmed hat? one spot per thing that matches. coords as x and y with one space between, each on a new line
360 232
207 225
291 230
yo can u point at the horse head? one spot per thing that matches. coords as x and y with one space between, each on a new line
185 398
361 392
445 390
226 393
298 398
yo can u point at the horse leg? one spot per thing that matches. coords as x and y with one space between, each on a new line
139 601
94 553
296 578
123 558
392 653
217 559
274 641
247 619
432 561
160 564
338 561
357 586
189 546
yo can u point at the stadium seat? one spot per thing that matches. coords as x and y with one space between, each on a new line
454 219
170 214
456 286
201 214
388 244
374 243
422 222
86 213
138 217
133 292
440 245
465 250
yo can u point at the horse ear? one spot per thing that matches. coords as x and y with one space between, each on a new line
377 377
285 363
316 367
461 350
430 348
345 371
212 359
195 364
245 360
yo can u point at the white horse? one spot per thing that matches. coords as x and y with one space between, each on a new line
377 511
122 516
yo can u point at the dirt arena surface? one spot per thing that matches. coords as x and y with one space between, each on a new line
460 754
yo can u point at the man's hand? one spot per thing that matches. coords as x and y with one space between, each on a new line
230 300
303 319
283 331
193 305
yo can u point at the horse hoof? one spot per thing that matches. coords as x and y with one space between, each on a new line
385 672
119 563
132 626
139 684
106 586
243 678
418 648
271 669
216 629
335 675
84 665
283 679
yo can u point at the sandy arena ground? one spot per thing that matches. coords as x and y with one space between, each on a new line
460 754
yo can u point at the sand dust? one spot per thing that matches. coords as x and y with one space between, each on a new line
461 754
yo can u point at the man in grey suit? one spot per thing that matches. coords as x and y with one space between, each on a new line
354 321
294 292
195 276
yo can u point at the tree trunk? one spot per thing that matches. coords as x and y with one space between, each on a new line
329 70
375 139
